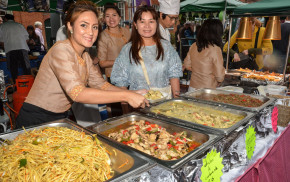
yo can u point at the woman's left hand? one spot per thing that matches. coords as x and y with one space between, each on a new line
141 92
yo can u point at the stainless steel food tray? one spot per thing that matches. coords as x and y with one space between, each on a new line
204 95
204 137
222 131
136 164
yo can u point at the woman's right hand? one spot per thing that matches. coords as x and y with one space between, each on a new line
236 57
137 100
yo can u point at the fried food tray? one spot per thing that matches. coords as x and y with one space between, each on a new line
222 131
118 156
206 95
206 138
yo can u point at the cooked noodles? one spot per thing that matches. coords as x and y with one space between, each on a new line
54 154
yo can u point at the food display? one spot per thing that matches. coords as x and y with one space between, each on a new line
237 99
153 95
54 154
198 114
261 77
153 139
247 70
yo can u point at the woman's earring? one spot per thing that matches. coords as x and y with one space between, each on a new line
71 32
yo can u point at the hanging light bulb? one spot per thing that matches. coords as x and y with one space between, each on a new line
245 29
273 29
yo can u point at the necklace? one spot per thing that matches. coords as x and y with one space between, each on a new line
119 35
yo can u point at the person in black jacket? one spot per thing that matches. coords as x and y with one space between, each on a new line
280 46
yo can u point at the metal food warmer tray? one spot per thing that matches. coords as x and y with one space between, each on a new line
205 95
206 138
222 131
136 163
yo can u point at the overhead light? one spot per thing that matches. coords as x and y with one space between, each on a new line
273 29
245 29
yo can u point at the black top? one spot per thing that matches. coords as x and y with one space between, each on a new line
280 46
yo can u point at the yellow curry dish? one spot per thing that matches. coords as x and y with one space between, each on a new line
198 114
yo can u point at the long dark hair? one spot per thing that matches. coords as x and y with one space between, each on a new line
210 33
136 39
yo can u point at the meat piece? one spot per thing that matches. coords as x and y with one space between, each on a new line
152 137
134 136
164 134
138 147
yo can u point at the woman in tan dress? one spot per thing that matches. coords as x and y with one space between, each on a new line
67 74
204 57
112 39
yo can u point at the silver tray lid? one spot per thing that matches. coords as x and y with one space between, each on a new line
196 94
137 163
220 131
168 164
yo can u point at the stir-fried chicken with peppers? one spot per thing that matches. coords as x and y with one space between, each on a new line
155 140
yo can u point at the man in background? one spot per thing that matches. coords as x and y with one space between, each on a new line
14 36
280 46
38 31
168 16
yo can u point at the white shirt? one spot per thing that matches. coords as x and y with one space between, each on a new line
14 36
164 33
38 32
61 33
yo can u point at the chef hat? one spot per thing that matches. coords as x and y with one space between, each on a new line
170 7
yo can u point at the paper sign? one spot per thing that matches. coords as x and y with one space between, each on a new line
250 141
274 119
211 169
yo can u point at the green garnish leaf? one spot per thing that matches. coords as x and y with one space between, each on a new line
83 160
35 142
22 163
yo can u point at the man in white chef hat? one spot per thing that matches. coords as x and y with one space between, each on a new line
168 16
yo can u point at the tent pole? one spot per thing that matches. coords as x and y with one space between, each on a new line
286 61
225 13
229 40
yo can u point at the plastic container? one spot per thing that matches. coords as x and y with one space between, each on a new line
276 89
232 89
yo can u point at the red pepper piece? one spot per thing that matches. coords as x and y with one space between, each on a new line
131 141
149 129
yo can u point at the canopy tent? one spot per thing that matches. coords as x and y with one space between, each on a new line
209 5
22 5
266 7
262 8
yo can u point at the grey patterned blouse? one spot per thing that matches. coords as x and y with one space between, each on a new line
160 71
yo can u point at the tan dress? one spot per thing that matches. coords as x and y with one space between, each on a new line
110 45
207 66
62 77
